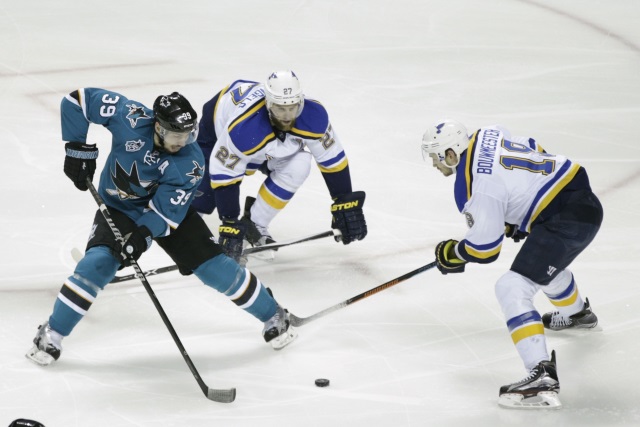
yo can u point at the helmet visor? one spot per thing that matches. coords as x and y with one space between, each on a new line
174 141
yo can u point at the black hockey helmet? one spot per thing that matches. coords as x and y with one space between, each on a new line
177 120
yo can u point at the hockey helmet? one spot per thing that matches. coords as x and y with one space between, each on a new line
443 136
284 97
176 121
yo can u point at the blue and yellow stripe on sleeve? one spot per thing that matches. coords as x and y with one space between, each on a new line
482 254
219 180
335 164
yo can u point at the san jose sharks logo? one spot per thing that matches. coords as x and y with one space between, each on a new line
132 146
136 113
197 173
128 184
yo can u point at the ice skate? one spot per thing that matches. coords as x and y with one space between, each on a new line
539 390
47 346
261 237
584 319
278 331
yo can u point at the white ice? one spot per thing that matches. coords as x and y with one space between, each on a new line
433 350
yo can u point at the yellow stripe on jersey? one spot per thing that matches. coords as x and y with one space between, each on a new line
225 183
483 254
245 115
467 168
215 109
571 173
312 135
336 168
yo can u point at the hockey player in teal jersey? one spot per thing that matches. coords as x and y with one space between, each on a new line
151 172
510 187
271 128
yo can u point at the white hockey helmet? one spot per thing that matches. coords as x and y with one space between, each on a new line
445 135
282 88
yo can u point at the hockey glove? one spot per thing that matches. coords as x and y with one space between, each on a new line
135 243
232 233
80 163
511 231
348 217
447 261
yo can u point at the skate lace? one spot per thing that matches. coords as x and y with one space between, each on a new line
532 374
558 320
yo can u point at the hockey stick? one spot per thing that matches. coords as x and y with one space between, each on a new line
75 253
300 321
220 395
273 246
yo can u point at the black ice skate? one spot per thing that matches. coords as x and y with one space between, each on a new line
47 346
257 235
278 331
584 319
539 390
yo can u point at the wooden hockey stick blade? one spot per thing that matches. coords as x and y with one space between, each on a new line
300 321
274 246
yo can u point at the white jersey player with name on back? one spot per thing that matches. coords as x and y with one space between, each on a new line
510 187
505 181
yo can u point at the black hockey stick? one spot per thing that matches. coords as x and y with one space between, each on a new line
300 321
245 252
224 395
146 273
273 246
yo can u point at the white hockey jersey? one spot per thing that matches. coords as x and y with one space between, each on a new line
245 138
504 180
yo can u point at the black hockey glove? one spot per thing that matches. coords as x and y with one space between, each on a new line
348 217
232 233
80 163
447 261
511 231
135 244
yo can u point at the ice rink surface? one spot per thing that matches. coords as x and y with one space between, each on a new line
432 351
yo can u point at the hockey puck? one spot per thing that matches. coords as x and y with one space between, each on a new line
322 382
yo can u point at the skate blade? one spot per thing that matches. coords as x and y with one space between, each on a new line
39 357
543 400
285 339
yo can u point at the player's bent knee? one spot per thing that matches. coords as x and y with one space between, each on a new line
220 273
98 266
515 294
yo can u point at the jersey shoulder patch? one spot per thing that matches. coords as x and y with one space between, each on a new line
313 122
251 131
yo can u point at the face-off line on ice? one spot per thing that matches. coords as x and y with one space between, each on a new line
166 170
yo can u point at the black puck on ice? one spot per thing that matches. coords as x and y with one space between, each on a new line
322 382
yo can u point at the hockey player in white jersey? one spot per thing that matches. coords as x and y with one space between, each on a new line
510 187
271 128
